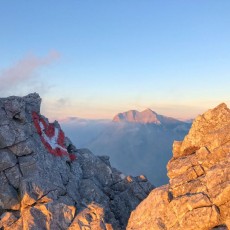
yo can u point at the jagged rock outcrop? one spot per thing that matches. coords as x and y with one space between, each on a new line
198 195
46 183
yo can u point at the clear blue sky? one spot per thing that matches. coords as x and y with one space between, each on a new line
95 58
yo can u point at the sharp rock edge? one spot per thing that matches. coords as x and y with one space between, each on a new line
47 183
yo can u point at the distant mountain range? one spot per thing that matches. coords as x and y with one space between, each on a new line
146 117
137 142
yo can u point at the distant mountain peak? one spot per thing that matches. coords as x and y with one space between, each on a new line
147 116
148 110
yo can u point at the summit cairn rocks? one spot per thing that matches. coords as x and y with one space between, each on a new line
46 183
198 194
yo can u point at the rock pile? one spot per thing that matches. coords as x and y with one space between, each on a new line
46 183
198 195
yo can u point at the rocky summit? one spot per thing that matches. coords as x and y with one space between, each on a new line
198 194
46 183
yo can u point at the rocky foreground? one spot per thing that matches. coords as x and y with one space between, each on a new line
198 195
46 183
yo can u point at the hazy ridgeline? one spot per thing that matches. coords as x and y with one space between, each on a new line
134 148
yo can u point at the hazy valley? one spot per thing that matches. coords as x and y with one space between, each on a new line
137 142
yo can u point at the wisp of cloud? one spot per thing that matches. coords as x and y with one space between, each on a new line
25 70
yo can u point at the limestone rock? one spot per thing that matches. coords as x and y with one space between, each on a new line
7 159
7 220
91 217
209 130
47 183
198 195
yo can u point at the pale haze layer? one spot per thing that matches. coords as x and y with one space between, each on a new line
94 59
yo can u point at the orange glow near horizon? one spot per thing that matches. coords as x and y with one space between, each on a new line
63 112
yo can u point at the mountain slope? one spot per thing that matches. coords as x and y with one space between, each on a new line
137 148
145 117
137 142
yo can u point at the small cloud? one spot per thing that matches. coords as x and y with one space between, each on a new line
63 101
24 70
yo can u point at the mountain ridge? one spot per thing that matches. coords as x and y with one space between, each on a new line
134 148
147 116
47 183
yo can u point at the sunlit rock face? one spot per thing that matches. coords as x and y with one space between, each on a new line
46 183
198 195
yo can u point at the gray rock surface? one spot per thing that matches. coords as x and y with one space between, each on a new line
46 183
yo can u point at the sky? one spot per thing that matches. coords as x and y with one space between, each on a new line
94 59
